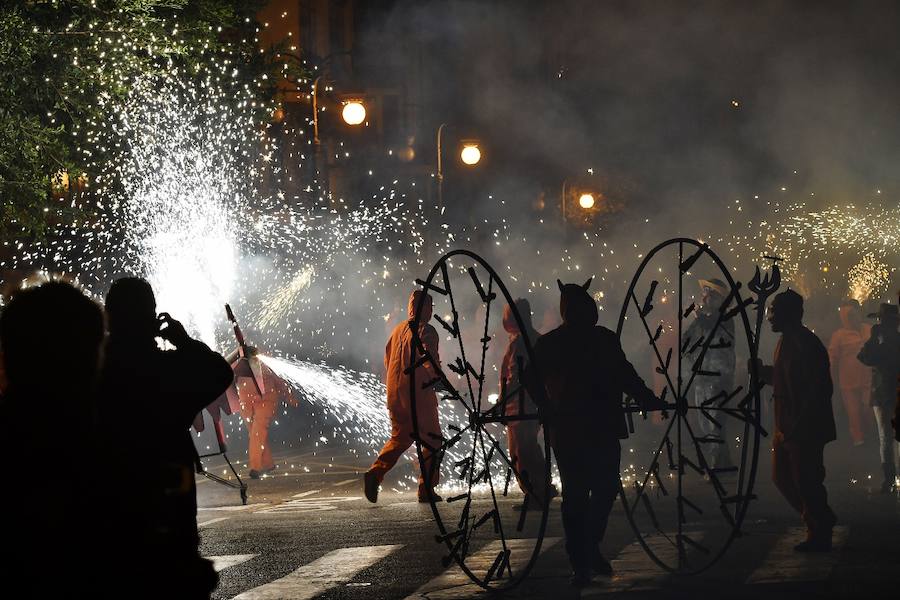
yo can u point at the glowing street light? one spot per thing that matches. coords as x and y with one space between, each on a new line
354 112
586 201
470 153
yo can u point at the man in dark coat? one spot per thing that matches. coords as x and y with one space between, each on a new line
804 421
585 373
149 398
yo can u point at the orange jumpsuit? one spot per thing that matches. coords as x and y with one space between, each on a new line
258 412
522 436
853 378
398 355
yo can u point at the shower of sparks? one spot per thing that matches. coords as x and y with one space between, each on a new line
354 399
280 302
868 278
178 199
818 247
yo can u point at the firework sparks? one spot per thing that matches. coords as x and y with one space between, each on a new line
868 278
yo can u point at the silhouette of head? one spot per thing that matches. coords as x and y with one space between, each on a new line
427 307
509 321
576 306
888 315
786 311
851 314
51 337
131 309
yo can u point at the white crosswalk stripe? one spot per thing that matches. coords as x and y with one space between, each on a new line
454 584
319 576
634 571
783 564
220 563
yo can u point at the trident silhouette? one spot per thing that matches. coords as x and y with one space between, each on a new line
763 287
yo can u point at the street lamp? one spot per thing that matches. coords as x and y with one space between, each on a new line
470 153
354 112
587 200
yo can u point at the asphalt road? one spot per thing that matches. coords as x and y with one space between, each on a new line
307 532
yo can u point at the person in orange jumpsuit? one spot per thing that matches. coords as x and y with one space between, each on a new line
804 422
852 377
522 436
257 409
399 354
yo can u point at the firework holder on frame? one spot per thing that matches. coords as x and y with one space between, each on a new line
238 484
244 352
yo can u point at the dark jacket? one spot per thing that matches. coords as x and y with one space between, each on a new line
148 400
882 352
802 388
585 373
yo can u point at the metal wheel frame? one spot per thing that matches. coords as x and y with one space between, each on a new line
457 539
735 306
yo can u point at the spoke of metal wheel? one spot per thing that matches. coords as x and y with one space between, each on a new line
453 438
469 531
455 393
653 464
512 418
503 455
679 400
484 337
745 444
490 479
704 464
662 363
462 350
426 357
695 368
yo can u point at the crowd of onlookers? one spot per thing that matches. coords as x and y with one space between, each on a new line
865 366
96 432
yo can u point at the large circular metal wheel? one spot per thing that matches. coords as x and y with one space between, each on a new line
688 481
488 527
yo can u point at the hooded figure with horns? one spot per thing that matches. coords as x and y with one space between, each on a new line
585 373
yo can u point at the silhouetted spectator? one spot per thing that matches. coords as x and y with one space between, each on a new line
585 373
148 400
51 337
522 436
804 421
882 352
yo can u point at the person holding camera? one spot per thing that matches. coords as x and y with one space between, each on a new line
148 400
882 353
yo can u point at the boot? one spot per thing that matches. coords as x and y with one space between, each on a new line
370 486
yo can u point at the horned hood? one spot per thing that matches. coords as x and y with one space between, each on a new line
576 306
